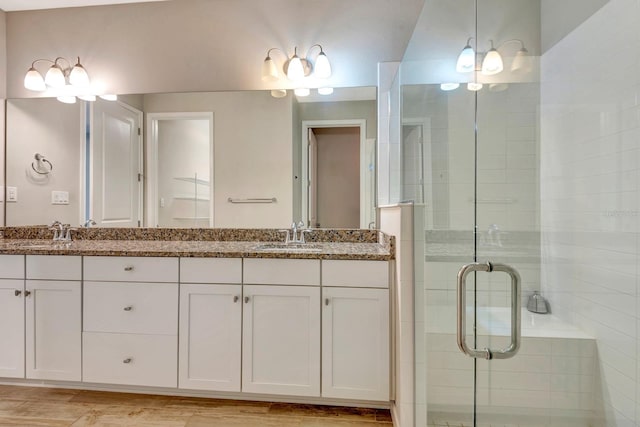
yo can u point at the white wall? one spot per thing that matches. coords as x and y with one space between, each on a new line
252 152
203 45
590 188
51 128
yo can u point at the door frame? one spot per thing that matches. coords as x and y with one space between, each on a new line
304 161
86 174
152 160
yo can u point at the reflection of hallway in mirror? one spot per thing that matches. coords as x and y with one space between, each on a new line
334 160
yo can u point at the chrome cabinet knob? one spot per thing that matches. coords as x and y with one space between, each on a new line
17 292
326 301
128 308
128 268
127 360
236 298
27 293
246 300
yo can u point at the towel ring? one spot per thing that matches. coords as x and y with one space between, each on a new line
40 159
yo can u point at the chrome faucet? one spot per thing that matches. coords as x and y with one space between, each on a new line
296 233
61 232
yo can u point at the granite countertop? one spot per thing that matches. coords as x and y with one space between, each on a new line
345 245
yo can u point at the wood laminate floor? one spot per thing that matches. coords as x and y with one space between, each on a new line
36 406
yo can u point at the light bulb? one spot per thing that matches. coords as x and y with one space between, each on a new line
78 76
466 60
492 63
325 90
302 91
33 80
269 70
322 68
474 86
55 77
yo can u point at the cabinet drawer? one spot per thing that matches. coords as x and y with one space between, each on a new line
264 271
211 270
141 308
12 266
357 274
131 269
134 359
54 267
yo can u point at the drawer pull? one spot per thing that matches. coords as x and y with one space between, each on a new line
128 308
246 300
236 298
128 268
326 301
27 293
127 360
17 293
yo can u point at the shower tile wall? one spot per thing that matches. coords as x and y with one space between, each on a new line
590 171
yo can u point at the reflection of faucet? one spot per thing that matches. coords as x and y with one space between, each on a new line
494 235
88 223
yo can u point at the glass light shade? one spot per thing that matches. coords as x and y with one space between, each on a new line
269 70
498 87
78 76
325 90
492 63
474 86
33 80
466 60
302 91
278 93
296 69
89 98
449 86
55 77
322 69
109 97
522 61
67 99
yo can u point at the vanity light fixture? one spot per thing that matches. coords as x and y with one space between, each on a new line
297 68
57 75
492 62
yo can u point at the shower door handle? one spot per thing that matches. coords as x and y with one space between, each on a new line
487 353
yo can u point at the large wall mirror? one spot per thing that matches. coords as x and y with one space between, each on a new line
208 159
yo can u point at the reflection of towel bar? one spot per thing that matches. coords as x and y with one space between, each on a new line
264 200
40 169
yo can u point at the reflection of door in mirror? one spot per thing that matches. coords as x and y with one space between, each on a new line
116 165
180 169
334 177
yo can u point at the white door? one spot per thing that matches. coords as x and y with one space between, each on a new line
355 343
281 340
313 180
116 166
12 328
53 330
210 337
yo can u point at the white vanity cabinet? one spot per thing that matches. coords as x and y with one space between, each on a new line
281 327
355 330
12 316
130 333
210 328
53 317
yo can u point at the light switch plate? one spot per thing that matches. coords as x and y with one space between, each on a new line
12 194
59 197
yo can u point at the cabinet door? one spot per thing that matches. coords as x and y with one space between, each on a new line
281 340
355 343
12 328
210 337
53 330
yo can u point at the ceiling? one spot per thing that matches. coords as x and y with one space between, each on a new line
16 5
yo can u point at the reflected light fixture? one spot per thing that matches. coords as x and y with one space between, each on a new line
278 93
296 67
449 86
467 58
473 86
492 63
302 91
325 90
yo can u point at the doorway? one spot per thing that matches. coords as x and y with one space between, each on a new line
336 174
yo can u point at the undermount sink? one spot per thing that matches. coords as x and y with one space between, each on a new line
288 247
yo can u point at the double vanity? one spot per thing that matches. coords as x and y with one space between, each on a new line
213 312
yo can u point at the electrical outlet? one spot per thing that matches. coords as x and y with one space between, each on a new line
12 194
59 197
